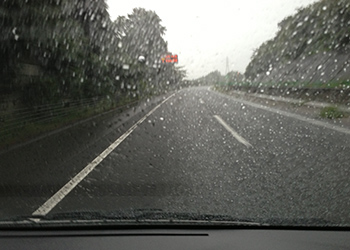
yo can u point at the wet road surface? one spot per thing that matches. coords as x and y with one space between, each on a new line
195 151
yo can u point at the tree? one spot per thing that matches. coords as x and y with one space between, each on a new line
141 35
43 35
66 39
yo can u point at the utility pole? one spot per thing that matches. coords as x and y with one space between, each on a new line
226 71
227 67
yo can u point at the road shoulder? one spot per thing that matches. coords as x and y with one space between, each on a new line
295 106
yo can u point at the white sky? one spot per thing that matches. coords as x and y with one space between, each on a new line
203 33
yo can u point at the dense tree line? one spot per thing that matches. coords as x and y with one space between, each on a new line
213 77
54 50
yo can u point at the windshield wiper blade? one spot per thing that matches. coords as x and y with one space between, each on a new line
138 216
159 217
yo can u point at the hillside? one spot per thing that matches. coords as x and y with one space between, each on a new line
311 46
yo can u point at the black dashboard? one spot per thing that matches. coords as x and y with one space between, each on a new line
169 239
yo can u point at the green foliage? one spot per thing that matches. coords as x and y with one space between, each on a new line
320 27
331 113
141 34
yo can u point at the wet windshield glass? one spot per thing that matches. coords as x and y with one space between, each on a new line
191 111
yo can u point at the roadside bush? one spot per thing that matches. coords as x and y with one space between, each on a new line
331 113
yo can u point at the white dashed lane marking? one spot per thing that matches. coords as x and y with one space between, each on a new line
233 133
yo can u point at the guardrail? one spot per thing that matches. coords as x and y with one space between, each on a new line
45 117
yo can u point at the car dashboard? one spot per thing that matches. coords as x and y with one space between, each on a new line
207 238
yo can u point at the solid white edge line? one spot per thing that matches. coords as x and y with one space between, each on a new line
67 188
234 133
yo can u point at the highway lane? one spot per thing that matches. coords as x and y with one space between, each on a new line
184 158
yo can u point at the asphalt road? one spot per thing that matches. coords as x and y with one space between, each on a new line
196 151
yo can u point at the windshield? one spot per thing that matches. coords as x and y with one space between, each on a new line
197 112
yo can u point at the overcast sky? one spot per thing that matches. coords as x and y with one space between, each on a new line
204 33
